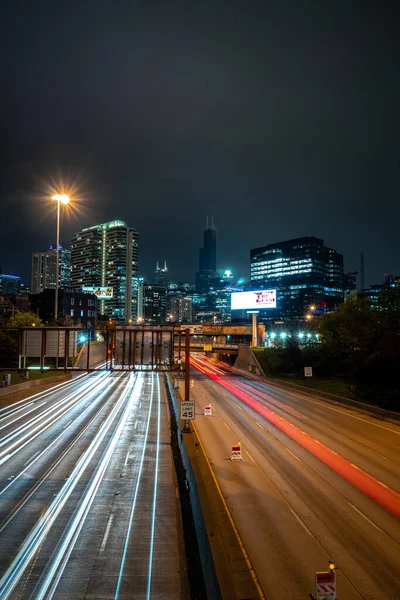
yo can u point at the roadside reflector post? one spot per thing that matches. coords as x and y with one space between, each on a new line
236 452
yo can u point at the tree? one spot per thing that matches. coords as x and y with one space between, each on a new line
352 333
24 319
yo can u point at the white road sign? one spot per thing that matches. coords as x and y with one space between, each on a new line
188 410
307 371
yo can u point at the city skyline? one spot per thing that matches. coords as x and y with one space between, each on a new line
25 272
282 122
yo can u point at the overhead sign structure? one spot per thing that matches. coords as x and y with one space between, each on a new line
236 452
208 410
307 371
325 585
253 300
102 292
188 410
54 343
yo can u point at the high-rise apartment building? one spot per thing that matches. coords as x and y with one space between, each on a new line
207 258
105 258
44 269
303 271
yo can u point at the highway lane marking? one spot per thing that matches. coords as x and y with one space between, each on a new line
239 407
232 522
365 517
227 426
107 533
387 498
55 464
136 422
44 394
323 405
15 411
31 458
247 452
292 453
18 418
126 459
259 424
304 526
69 423
136 492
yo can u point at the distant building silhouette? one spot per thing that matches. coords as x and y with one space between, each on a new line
207 258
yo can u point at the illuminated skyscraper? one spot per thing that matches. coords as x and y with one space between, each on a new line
303 271
106 256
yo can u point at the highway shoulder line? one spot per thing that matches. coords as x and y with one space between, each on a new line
232 522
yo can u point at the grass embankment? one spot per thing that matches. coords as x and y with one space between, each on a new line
329 386
20 377
338 387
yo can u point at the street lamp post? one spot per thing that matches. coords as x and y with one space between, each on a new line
61 199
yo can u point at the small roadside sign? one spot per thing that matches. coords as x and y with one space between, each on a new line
307 371
207 348
208 410
188 410
236 452
325 585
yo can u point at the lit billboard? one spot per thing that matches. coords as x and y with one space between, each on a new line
253 300
102 293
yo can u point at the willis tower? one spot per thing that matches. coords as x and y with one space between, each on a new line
207 259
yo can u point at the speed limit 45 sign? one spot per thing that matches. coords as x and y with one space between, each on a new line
187 410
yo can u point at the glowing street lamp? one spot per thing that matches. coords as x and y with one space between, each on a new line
60 199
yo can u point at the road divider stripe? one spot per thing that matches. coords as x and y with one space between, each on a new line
232 522
373 488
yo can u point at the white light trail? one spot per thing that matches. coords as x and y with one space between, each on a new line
33 431
128 533
54 571
153 522
32 542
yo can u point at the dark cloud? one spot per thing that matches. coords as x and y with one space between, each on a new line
280 118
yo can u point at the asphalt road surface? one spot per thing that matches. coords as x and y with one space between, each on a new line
318 481
88 505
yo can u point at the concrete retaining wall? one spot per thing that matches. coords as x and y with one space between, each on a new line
207 562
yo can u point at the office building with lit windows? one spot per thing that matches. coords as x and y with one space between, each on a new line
305 274
105 258
9 284
152 304
44 266
180 309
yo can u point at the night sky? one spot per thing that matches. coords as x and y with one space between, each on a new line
281 118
